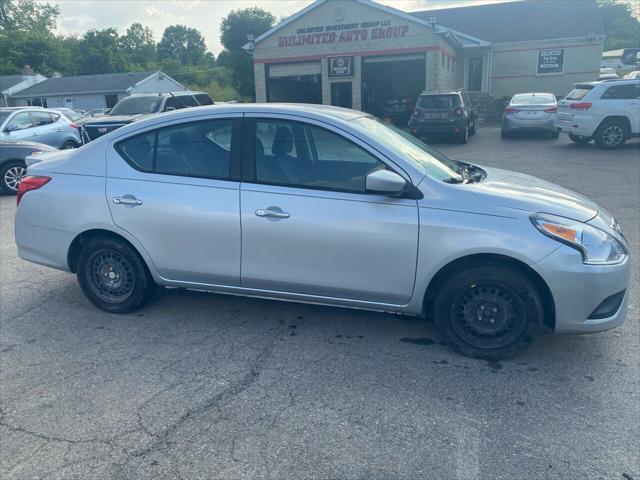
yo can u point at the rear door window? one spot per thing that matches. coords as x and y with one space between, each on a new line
439 101
196 149
41 118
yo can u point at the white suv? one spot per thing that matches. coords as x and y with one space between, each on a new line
606 112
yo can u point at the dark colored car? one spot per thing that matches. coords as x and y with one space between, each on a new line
12 165
444 113
398 110
139 106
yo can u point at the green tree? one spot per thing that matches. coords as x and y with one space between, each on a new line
233 34
139 46
621 24
27 15
99 51
182 43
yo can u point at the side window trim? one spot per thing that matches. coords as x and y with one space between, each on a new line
235 154
249 169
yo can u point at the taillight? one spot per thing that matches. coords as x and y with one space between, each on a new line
511 110
30 183
581 106
551 110
73 125
458 112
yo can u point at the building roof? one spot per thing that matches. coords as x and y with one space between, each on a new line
522 21
8 81
85 84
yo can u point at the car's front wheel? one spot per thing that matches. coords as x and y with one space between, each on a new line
488 311
611 134
11 174
113 276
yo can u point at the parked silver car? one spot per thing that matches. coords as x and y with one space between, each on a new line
325 205
38 125
530 112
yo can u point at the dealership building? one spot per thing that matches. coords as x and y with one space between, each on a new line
359 53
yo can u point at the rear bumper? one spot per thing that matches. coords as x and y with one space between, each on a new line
578 125
425 130
513 124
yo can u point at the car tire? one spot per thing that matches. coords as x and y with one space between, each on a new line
488 311
464 137
504 134
579 139
472 130
113 276
68 145
611 134
10 175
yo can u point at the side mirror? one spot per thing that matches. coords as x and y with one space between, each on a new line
169 109
12 127
385 182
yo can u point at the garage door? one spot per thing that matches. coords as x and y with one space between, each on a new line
294 69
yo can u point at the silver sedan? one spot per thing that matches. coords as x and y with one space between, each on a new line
530 112
324 205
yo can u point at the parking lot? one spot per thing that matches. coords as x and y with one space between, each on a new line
205 386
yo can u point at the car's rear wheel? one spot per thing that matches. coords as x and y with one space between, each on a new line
10 176
579 139
113 276
505 134
488 311
472 129
69 144
464 136
555 134
611 134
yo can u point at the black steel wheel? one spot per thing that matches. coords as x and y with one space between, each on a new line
488 311
113 276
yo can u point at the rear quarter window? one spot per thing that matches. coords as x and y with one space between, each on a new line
138 151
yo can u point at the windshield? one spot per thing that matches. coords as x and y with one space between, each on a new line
533 99
439 101
429 161
136 105
578 93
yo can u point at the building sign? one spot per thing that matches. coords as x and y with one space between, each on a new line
551 60
340 66
344 33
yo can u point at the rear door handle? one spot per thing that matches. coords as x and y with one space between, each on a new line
272 213
128 200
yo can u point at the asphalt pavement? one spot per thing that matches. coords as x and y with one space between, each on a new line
206 386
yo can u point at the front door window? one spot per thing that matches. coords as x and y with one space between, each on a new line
475 73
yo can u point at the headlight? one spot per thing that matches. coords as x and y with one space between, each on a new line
596 246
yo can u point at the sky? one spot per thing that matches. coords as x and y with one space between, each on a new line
78 16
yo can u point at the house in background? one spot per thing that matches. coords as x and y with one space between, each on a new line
12 84
94 91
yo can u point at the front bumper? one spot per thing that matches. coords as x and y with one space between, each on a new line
579 289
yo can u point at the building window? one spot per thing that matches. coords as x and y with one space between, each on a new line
443 60
37 102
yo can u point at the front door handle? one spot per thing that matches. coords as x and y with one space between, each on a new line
272 213
128 200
